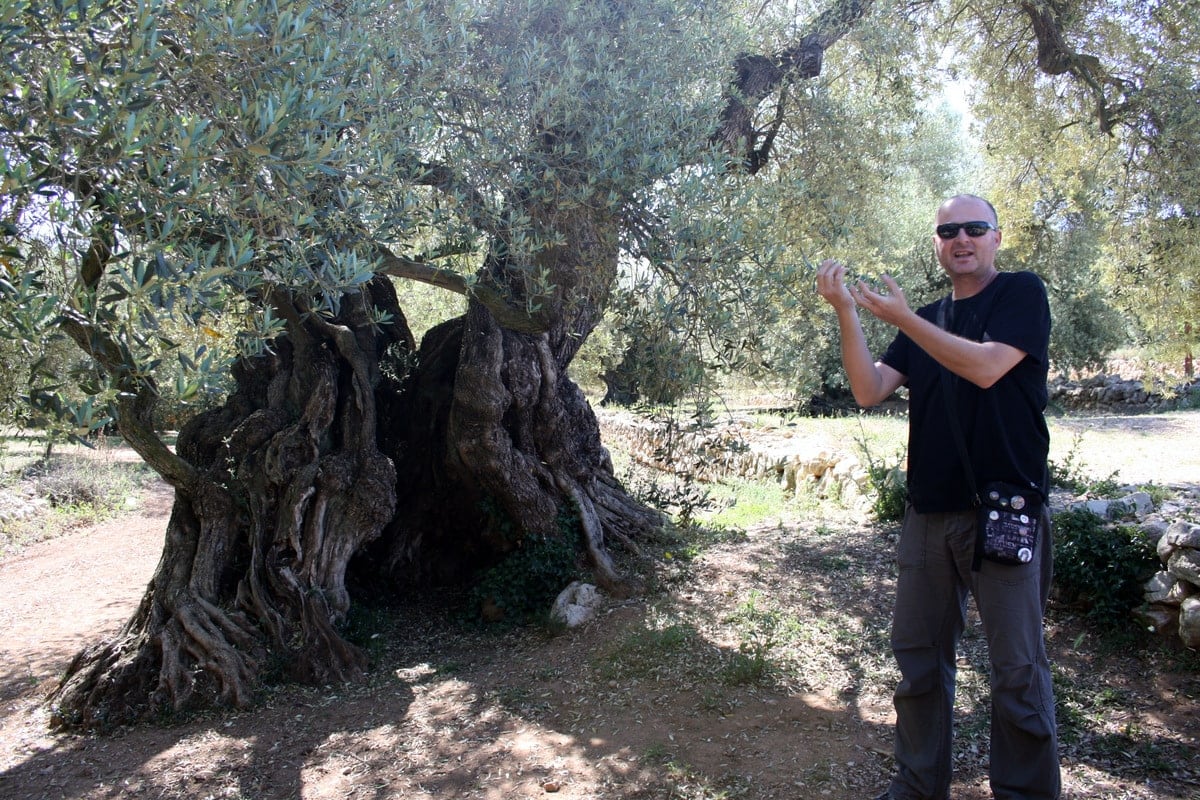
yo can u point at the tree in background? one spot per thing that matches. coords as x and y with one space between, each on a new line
1100 173
1081 129
272 176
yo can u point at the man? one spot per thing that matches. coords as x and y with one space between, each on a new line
994 345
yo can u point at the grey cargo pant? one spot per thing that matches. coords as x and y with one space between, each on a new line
934 557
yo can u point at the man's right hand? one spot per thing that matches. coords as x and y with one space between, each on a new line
831 285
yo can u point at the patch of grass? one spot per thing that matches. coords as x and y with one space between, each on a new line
669 554
519 700
1158 493
745 668
642 652
654 652
745 504
657 753
1091 731
714 701
74 491
687 783
1135 752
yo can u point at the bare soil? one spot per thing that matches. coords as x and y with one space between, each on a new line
657 698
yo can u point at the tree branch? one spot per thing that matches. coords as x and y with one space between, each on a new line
135 402
757 76
1056 57
490 297
450 183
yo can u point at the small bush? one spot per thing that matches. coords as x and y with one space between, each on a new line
525 583
888 484
81 484
683 499
1101 566
1069 474
77 491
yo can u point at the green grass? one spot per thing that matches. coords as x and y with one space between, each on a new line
746 504
78 486
884 433
650 652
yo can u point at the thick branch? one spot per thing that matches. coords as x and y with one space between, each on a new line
450 183
757 77
490 297
136 401
1055 56
349 348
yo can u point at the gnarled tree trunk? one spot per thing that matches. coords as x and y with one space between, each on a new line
490 424
286 483
331 449
293 477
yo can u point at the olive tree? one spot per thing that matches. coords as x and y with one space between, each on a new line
1091 127
272 174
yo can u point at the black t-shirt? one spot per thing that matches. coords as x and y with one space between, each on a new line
1004 426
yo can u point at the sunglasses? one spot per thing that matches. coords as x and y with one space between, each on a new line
976 229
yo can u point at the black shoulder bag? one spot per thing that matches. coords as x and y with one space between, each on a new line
1009 516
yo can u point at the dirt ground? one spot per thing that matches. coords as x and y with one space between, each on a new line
530 714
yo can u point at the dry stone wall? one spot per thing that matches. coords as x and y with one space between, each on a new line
1173 594
1117 395
801 465
813 468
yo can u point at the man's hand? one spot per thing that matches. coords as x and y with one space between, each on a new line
870 381
831 285
981 363
887 305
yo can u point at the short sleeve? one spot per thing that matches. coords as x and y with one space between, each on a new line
1024 318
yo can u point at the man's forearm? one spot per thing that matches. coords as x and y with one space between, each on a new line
981 363
866 382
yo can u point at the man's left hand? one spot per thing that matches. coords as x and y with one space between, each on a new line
888 305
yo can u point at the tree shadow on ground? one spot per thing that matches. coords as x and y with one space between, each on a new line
657 698
479 715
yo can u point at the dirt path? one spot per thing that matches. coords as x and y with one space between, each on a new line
495 718
61 594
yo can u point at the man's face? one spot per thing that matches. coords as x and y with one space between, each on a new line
964 254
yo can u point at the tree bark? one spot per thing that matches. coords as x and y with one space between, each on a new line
493 441
327 450
333 450
286 483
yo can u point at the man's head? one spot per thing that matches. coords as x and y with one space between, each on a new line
965 250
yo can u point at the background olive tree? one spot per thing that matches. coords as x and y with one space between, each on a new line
1081 127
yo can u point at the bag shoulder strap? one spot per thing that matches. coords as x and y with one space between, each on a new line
959 440
943 314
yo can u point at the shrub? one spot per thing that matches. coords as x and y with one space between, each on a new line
1069 474
684 499
525 583
1100 565
887 484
